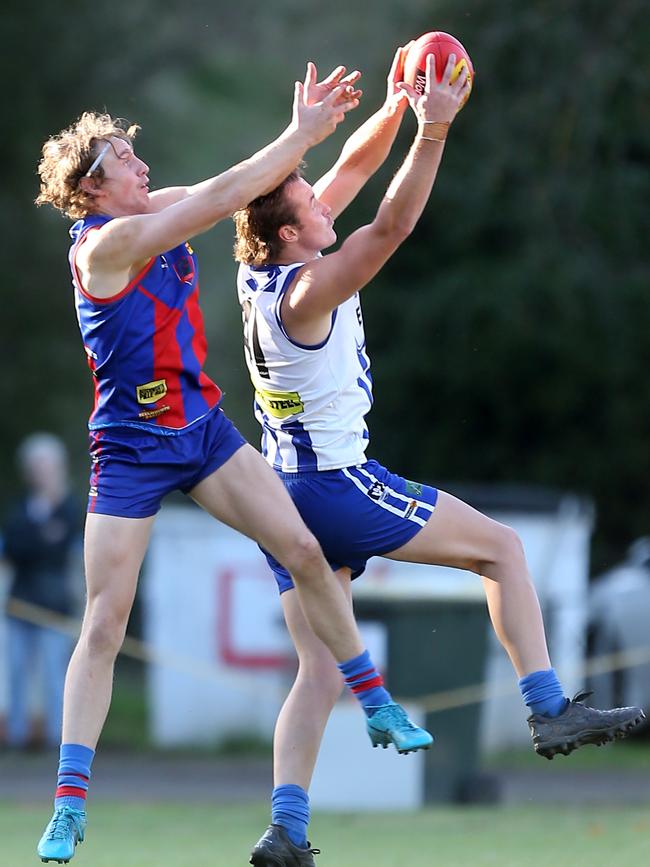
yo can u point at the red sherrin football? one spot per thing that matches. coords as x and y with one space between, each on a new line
441 45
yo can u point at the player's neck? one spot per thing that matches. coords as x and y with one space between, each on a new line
295 253
113 207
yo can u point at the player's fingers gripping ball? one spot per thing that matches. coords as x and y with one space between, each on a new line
441 45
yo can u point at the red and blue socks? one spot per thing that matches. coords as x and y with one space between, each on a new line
365 682
543 693
290 809
74 774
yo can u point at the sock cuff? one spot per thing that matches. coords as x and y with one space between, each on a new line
75 758
290 789
542 692
536 677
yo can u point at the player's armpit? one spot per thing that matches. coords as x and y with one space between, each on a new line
97 272
325 283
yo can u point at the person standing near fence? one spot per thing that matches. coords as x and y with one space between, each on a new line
40 535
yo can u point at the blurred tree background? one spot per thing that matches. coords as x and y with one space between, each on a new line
510 335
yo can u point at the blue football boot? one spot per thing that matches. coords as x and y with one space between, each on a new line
65 830
389 724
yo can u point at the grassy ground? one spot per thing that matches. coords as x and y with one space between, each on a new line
167 836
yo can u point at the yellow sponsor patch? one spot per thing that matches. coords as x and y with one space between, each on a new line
280 404
150 392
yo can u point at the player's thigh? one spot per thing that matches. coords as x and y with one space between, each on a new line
306 642
246 494
114 549
458 535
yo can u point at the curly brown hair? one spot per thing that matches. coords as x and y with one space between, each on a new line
68 156
257 225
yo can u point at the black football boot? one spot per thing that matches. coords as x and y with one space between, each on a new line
276 849
578 725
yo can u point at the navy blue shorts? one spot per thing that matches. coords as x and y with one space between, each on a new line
132 470
356 513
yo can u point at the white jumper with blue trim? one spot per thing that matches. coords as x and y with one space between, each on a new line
310 400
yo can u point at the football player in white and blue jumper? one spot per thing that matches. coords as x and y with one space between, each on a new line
306 352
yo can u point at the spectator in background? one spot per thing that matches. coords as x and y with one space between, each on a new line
42 529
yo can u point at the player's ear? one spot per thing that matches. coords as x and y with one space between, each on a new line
288 234
90 185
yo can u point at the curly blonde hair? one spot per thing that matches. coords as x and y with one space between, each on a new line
257 225
68 156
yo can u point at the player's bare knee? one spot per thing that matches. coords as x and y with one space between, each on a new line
103 631
505 554
304 557
510 546
324 672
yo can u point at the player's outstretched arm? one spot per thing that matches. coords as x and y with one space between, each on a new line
314 92
325 283
367 148
133 239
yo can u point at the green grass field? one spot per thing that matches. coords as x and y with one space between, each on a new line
190 836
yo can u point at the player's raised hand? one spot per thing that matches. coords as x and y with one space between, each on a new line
320 119
316 91
441 100
394 93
